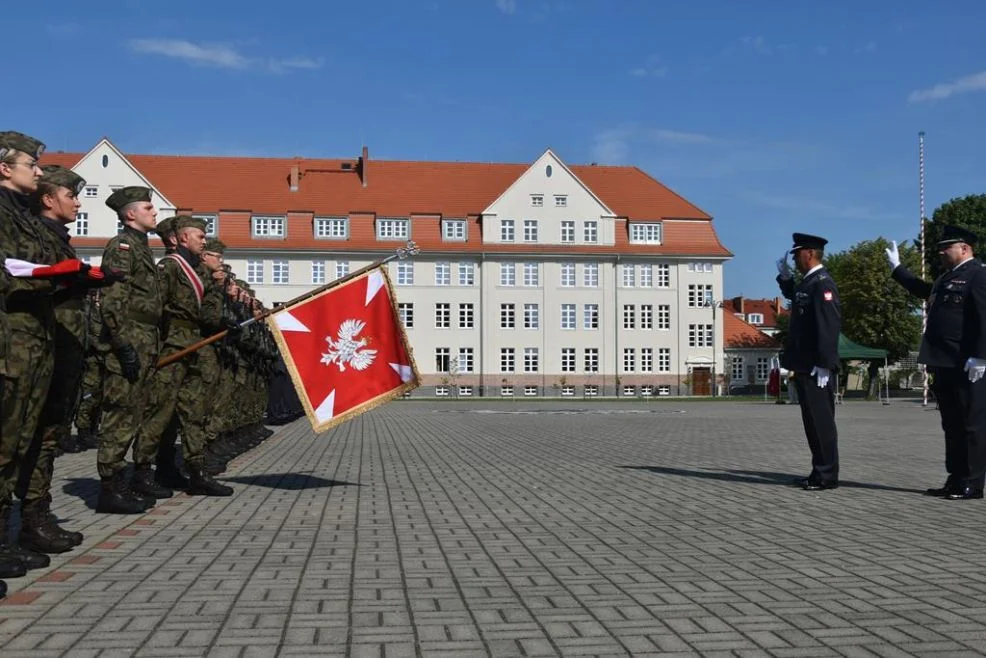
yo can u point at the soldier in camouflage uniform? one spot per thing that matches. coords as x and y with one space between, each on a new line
178 386
91 395
131 313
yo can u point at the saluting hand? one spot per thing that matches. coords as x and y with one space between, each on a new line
893 255
783 268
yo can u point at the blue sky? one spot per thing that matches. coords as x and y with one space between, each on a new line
770 115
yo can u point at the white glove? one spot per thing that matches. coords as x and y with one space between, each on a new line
976 368
821 376
783 268
893 256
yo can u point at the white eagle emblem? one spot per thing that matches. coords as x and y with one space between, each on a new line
347 350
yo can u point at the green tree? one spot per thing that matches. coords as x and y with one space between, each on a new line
969 212
876 310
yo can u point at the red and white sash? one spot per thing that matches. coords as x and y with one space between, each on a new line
193 278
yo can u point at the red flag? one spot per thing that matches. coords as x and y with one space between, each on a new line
346 349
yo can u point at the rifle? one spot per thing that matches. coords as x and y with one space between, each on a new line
410 249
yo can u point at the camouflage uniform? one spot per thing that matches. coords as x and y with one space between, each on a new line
91 393
131 314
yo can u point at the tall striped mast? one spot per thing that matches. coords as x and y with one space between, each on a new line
924 304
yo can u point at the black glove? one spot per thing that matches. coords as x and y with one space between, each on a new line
232 326
129 362
100 277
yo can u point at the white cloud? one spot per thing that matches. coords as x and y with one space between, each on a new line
612 146
652 68
507 6
758 44
969 83
219 55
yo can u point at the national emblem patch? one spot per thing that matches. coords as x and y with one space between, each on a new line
827 295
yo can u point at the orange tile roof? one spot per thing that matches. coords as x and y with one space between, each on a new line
224 185
765 307
741 334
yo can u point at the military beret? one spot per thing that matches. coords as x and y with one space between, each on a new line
953 234
805 241
58 175
215 245
187 221
15 141
164 227
127 195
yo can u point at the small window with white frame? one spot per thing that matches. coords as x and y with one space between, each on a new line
629 391
567 391
393 228
443 274
280 274
211 224
454 230
591 231
332 228
568 230
268 227
530 230
405 274
530 391
406 312
568 275
506 391
645 233
590 390
91 191
441 391
507 230
255 271
590 275
664 389
647 390
537 200
755 318
342 268
465 391
467 274
561 201
318 272
81 224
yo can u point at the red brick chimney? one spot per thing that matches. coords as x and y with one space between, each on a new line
738 305
294 178
364 160
778 305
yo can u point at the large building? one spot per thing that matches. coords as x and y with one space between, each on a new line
533 279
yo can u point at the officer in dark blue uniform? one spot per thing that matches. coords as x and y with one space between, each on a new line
954 350
812 353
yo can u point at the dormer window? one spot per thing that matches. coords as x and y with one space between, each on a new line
393 229
211 222
645 233
268 227
755 318
454 229
332 228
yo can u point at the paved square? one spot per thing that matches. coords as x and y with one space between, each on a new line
530 529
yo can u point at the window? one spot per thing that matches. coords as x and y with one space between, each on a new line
81 226
467 274
629 391
443 315
647 390
629 359
646 316
568 275
530 230
700 335
406 312
664 389
567 391
568 359
508 359
699 294
699 267
119 227
647 359
507 230
507 316
629 276
91 192
590 275
664 317
508 274
342 268
268 227
530 391
465 391
441 391
561 201
590 390
405 274
629 316
507 391
590 231
255 271
646 233
763 368
590 316
393 229
568 231
646 276
333 228
318 271
568 316
279 272
663 275
664 360
531 320
211 224
537 200
531 275
443 359
443 274
454 229
531 359
755 318
738 371
466 316
466 359
591 359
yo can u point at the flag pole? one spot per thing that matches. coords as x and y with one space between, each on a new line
924 303
408 250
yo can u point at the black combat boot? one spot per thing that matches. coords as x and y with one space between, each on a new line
168 475
75 538
143 483
3 590
202 484
12 555
87 439
38 532
68 443
115 496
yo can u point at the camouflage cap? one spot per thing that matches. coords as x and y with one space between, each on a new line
241 283
127 195
187 221
164 227
58 175
14 141
215 245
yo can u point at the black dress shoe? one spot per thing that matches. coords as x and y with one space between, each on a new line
965 493
941 492
816 485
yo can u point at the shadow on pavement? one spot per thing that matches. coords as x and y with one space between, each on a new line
287 481
761 477
85 488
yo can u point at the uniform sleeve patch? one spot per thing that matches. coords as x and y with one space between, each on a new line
124 246
827 295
